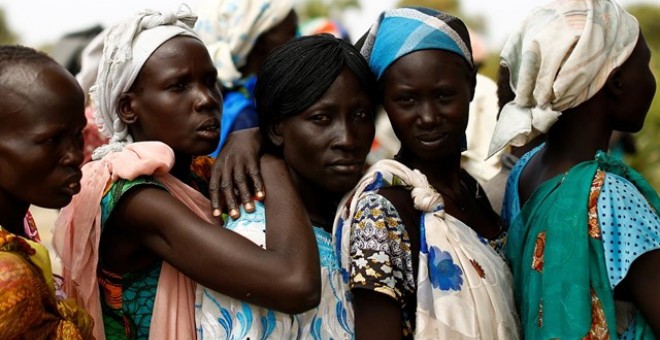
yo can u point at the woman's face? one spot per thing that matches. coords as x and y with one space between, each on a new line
637 86
327 144
41 140
427 96
176 99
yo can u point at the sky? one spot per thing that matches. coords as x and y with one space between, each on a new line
39 22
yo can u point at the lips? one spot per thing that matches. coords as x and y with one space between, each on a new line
72 184
347 166
210 129
431 140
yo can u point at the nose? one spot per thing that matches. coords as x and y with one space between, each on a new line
207 98
345 136
73 152
429 115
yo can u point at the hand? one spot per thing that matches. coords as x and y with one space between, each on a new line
236 172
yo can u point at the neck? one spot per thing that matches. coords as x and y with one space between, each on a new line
577 136
12 214
443 174
320 204
181 168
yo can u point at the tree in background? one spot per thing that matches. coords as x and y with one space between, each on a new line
7 37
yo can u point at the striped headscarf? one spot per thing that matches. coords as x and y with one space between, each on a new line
127 46
398 32
559 58
230 28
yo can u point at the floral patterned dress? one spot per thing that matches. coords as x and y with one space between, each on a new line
221 317
463 286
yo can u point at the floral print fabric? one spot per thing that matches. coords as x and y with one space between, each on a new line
463 287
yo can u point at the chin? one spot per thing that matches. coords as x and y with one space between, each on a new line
57 202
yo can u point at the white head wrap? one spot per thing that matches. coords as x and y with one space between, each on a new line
559 58
229 28
127 46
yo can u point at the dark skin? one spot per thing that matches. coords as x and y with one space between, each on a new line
149 225
430 111
326 146
40 139
621 104
266 43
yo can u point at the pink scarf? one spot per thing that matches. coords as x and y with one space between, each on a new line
78 230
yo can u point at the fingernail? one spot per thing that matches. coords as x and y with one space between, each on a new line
260 194
249 206
233 213
216 212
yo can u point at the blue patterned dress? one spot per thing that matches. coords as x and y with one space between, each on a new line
221 317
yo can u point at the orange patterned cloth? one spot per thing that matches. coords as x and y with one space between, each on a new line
28 306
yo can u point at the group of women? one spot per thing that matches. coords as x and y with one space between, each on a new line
409 249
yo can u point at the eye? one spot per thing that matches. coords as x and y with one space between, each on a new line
404 99
178 86
445 95
52 140
362 115
320 118
211 81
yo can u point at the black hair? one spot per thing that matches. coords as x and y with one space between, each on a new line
14 55
298 73
504 92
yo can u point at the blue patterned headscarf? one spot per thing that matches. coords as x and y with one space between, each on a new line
398 32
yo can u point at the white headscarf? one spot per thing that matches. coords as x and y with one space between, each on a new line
229 28
559 58
127 46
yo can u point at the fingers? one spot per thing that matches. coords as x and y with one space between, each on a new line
246 197
214 187
252 168
227 188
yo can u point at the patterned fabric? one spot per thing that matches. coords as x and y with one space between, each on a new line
29 308
463 286
381 258
221 317
230 28
620 224
558 58
400 31
127 300
77 236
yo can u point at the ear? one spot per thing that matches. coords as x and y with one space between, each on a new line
275 134
613 84
125 107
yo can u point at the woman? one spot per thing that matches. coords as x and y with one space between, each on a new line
414 234
414 244
126 241
583 241
239 35
41 123
316 100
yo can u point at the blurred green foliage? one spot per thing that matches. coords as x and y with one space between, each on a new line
647 158
6 35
